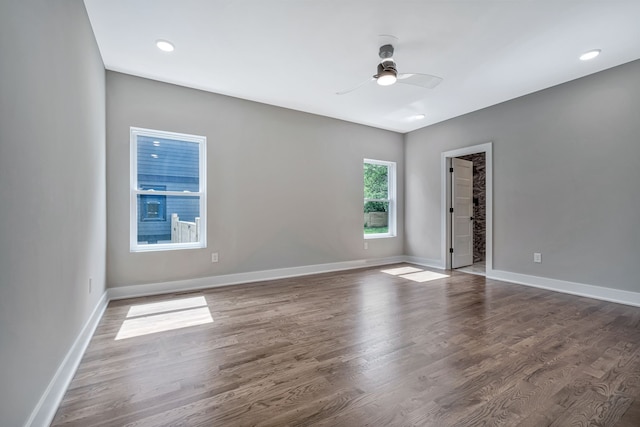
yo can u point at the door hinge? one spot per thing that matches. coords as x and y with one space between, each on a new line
450 250
451 170
451 210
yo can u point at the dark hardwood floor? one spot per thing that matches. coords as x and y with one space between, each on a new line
361 348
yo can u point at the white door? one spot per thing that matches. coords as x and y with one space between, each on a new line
462 221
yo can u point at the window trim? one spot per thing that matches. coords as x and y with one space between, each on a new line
391 194
135 191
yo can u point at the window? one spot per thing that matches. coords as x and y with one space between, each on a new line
168 198
379 199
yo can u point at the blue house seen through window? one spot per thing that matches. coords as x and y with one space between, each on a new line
166 165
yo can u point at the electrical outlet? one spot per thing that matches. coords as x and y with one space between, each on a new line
366 245
90 284
537 257
214 257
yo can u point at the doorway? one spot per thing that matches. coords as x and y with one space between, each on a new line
468 232
474 262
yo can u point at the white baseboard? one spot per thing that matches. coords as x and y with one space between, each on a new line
425 262
590 291
573 288
133 291
45 410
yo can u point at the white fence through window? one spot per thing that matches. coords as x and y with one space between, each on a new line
184 231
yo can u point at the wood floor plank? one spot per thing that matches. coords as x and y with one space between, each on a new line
361 347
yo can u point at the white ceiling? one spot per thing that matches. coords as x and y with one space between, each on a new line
298 53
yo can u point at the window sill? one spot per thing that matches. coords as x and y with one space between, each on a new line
167 247
379 236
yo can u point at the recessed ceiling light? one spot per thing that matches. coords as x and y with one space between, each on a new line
165 46
590 55
419 116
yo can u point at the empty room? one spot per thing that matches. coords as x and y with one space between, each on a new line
288 213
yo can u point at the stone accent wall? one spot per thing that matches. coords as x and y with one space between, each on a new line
479 208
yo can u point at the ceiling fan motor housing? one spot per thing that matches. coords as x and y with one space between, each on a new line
386 67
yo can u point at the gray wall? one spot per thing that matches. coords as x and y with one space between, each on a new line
285 188
52 192
566 180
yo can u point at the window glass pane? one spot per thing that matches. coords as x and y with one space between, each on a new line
174 223
376 217
168 163
376 181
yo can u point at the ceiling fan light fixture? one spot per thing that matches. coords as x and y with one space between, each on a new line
386 78
387 72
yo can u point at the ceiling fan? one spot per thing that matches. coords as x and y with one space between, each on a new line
388 74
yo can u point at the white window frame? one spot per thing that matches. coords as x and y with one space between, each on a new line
135 191
391 186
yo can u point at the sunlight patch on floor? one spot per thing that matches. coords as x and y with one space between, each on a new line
424 276
401 270
165 306
415 274
145 319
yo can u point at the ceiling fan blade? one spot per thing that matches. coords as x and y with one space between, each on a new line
370 79
418 79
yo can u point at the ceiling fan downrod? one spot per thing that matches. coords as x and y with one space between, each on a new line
386 51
